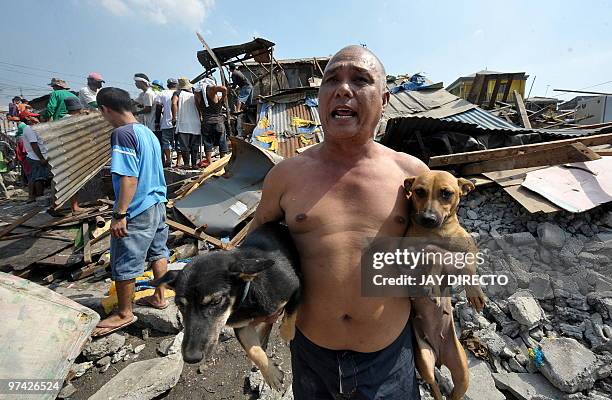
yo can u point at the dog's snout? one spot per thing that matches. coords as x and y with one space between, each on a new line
192 357
429 219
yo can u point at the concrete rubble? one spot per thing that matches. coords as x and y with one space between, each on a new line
142 380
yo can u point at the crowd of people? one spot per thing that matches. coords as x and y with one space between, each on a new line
185 118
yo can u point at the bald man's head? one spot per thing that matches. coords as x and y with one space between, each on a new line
355 51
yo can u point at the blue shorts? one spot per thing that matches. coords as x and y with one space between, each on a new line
320 373
167 138
146 241
38 171
245 94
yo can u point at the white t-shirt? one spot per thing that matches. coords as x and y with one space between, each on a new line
188 118
30 136
165 99
86 95
147 99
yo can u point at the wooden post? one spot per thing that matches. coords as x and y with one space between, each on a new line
520 107
271 68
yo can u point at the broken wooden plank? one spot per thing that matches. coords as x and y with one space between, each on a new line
573 152
192 232
520 106
19 221
75 218
86 243
531 201
239 236
483 155
510 177
206 173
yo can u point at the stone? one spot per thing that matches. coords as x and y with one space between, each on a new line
471 214
574 331
143 380
540 286
139 348
118 356
526 386
79 369
171 345
104 361
525 309
67 391
521 239
167 320
551 235
568 365
482 385
491 340
103 346
516 366
536 334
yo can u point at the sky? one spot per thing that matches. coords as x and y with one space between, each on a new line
562 44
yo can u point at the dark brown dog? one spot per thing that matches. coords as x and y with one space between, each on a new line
434 198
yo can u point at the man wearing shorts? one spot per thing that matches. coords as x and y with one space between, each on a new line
164 114
138 228
333 196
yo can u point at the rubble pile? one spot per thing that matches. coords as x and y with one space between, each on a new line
547 333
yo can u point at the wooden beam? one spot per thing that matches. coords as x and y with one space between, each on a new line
494 94
86 243
604 152
207 173
7 229
574 152
193 233
507 88
520 107
483 155
582 91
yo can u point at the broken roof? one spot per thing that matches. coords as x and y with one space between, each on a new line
258 48
484 72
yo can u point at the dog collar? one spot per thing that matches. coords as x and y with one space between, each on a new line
245 292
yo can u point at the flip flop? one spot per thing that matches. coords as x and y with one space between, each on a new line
116 328
146 303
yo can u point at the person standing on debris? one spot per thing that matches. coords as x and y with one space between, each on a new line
186 118
36 158
21 155
213 130
245 89
164 115
87 94
146 99
56 108
334 196
138 228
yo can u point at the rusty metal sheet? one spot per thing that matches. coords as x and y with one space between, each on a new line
223 202
78 147
42 332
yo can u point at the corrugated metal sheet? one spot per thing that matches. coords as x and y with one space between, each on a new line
280 115
482 119
425 103
78 147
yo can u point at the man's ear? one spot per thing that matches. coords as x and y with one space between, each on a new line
169 279
408 182
386 97
247 269
465 185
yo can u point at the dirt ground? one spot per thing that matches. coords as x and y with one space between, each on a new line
223 377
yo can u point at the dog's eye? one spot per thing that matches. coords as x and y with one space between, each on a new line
446 194
420 192
216 301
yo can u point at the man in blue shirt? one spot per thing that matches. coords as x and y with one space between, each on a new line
138 228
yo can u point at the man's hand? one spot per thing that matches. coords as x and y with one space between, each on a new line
118 228
173 121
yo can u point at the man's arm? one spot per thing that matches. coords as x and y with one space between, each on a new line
127 189
269 208
38 153
174 108
51 106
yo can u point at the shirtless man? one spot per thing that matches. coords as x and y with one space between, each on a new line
332 197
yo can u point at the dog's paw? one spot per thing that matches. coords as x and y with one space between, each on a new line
274 377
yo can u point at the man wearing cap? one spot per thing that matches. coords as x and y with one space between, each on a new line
186 118
36 158
56 108
87 94
146 99
164 115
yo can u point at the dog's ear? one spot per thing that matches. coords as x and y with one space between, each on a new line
168 279
465 185
408 182
248 268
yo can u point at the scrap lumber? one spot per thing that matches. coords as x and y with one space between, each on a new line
86 243
531 201
573 152
239 236
76 218
206 173
484 155
195 234
520 106
7 229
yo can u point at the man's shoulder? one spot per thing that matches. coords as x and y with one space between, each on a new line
409 164
124 136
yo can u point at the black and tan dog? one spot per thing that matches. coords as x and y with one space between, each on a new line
434 198
246 289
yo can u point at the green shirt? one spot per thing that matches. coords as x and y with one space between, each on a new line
56 108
